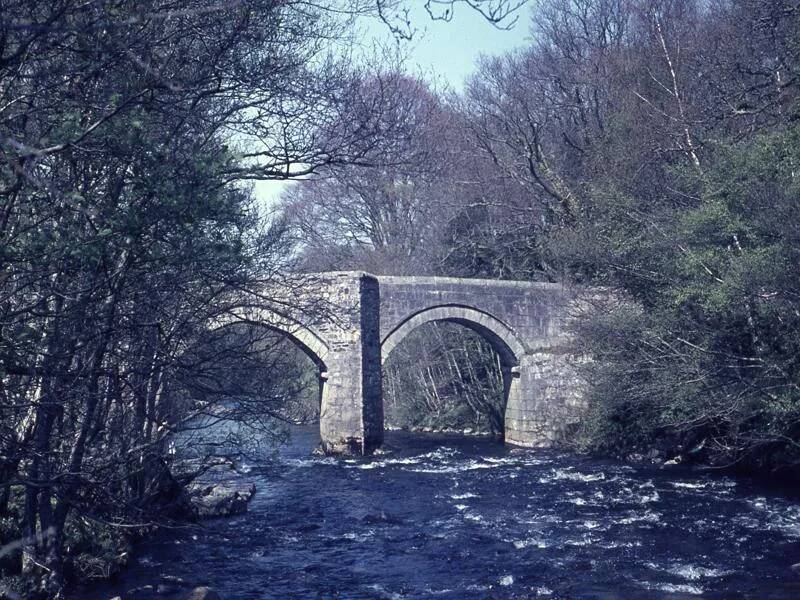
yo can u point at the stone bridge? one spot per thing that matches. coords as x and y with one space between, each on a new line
349 322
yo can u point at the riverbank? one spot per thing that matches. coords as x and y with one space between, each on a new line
97 552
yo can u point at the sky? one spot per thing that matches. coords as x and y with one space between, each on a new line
439 50
451 49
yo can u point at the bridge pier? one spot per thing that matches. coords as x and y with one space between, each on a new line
351 406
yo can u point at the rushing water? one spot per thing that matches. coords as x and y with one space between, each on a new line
450 517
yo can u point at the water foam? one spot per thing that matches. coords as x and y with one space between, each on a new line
647 516
674 588
463 496
567 474
529 542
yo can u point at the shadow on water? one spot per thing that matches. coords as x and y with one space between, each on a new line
441 516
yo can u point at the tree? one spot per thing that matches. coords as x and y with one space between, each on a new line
387 217
711 361
128 131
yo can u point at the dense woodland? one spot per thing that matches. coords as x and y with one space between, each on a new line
647 146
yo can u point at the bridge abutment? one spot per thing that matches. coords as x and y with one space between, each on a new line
544 398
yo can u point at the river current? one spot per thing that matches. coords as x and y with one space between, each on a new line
453 517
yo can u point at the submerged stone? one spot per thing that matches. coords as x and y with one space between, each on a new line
203 593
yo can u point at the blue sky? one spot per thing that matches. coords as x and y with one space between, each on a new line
451 49
439 50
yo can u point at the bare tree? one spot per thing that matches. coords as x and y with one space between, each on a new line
388 217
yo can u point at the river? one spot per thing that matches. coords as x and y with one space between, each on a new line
455 517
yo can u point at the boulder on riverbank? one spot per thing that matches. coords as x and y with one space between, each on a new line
222 499
220 491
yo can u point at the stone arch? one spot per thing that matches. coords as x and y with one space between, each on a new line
303 337
501 337
306 339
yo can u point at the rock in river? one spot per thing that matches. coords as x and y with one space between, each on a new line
222 499
221 492
203 593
